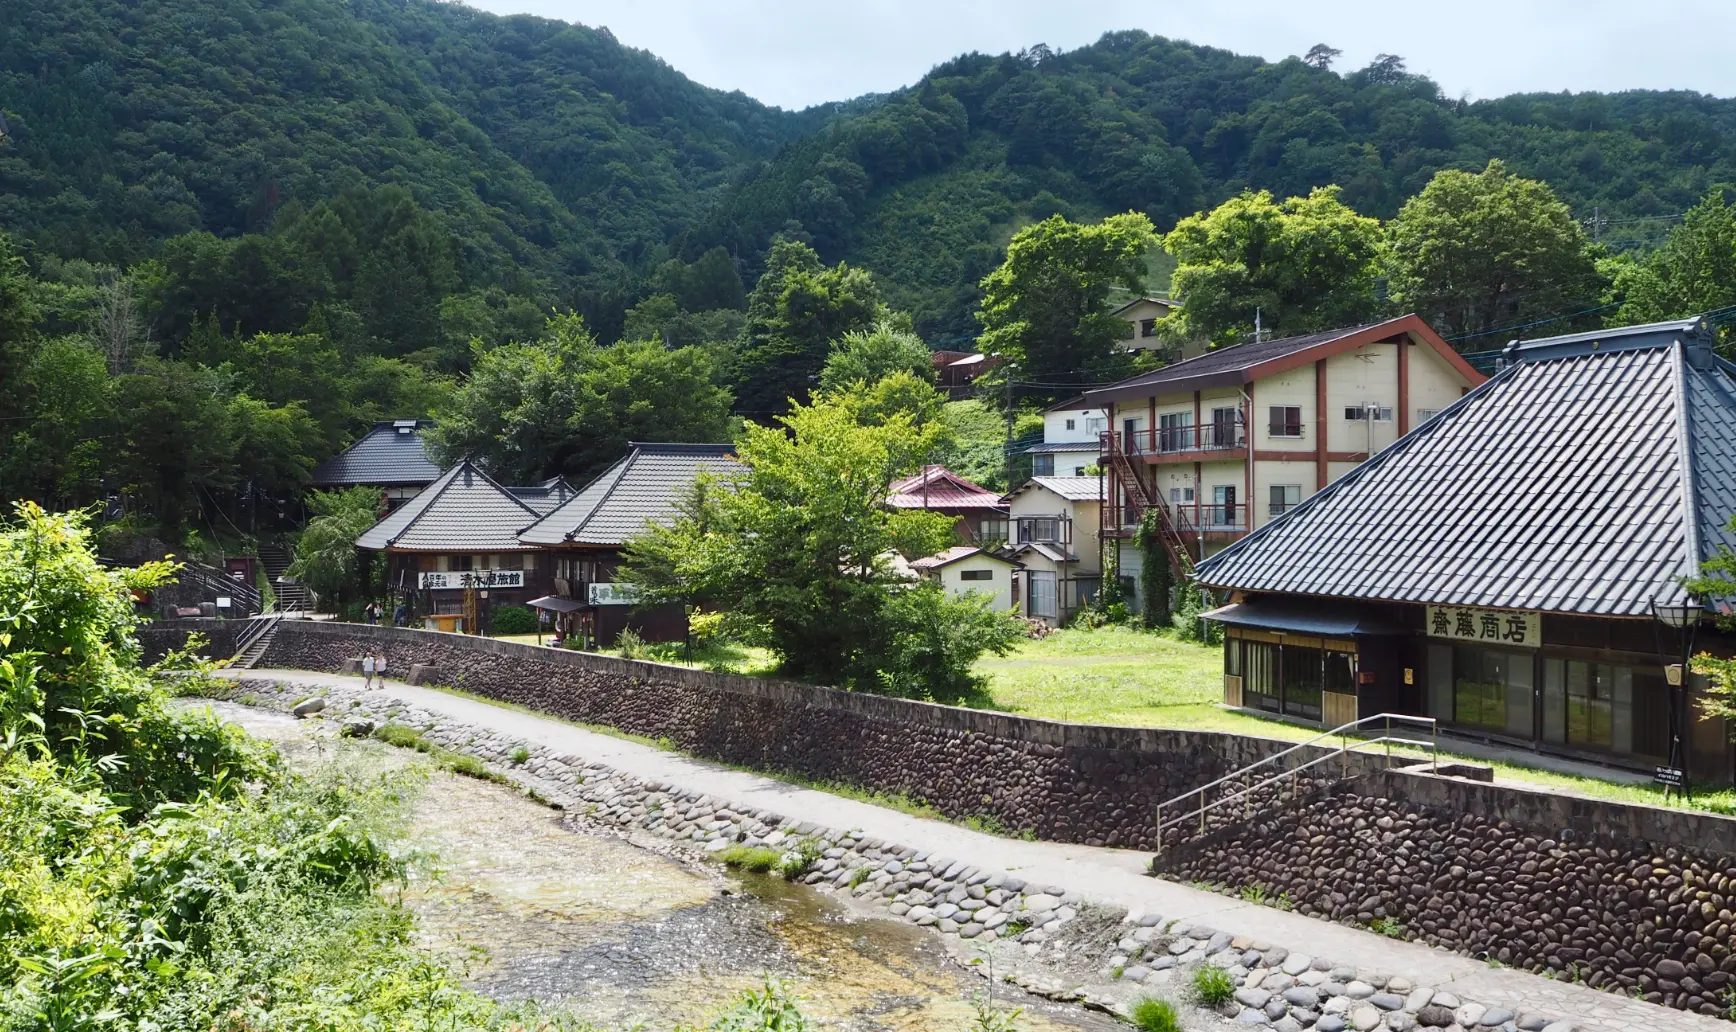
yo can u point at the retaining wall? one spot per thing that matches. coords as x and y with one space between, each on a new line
160 637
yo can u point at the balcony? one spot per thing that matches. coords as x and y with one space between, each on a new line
1189 443
1211 519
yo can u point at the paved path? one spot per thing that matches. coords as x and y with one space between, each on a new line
1105 875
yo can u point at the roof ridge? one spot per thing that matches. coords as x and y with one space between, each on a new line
625 464
1685 456
439 488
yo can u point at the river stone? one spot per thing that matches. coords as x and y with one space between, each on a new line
1301 997
1041 903
970 930
1255 998
1249 1016
1364 1018
1276 956
1276 1008
1250 959
1469 1014
1399 1021
308 707
1313 977
1531 1022
1343 973
1296 963
1561 1026
1286 1024
1399 985
357 727
1329 1023
1180 946
1495 1016
1418 999
1136 973
1447 1000
1255 977
1150 920
893 867
717 845
1359 990
1161 963
1219 943
946 910
1387 1001
1304 1016
947 924
994 920
1434 1016
899 909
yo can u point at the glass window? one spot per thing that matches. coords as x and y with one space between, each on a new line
1441 682
1042 465
1603 706
1426 414
1284 498
458 562
1340 673
1260 681
1069 424
1304 671
1175 431
1285 421
1148 327
976 575
1096 424
1492 690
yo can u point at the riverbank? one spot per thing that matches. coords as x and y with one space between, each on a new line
613 777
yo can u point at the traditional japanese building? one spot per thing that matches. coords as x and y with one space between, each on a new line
392 457
981 515
1514 566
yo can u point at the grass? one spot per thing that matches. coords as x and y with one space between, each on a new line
405 737
1151 1014
751 858
1211 985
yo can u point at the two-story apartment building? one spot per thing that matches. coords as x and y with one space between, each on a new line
1072 440
1234 438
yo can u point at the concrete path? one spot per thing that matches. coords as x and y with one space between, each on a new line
1105 875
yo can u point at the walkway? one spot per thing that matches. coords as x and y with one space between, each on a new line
1111 876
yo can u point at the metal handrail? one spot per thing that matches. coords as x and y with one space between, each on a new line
1250 789
257 626
1341 731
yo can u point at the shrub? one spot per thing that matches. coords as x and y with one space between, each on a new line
771 1009
631 646
1212 985
512 620
1151 1014
750 858
794 863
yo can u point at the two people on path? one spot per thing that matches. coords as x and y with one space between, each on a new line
374 666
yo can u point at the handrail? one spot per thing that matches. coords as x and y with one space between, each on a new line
1345 747
256 629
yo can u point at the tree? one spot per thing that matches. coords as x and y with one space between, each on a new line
1044 311
1717 581
1306 264
326 559
116 326
1475 252
1694 271
1321 56
800 548
863 357
795 312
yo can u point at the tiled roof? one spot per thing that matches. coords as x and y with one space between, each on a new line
1065 447
463 511
1074 489
642 488
392 453
953 555
939 488
1586 477
546 496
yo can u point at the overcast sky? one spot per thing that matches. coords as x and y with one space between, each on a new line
794 53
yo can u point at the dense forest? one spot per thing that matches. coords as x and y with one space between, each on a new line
233 233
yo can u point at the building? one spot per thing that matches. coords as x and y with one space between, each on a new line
1142 315
956 370
982 519
453 551
392 457
1223 443
1072 440
1053 524
966 569
584 538
1513 567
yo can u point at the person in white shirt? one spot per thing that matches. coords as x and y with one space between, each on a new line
380 667
368 671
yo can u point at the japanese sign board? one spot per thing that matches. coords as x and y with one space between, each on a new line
1488 626
606 594
1675 777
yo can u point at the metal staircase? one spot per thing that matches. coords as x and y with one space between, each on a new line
253 642
1124 477
291 596
1282 777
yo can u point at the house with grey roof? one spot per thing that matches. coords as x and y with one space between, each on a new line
584 537
1514 566
1052 531
392 457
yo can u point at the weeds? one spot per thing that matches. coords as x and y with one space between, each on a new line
1151 1014
405 737
794 863
519 756
1255 894
751 858
860 875
1211 986
1391 927
990 1018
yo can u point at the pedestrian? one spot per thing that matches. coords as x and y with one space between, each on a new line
368 671
401 615
380 667
373 612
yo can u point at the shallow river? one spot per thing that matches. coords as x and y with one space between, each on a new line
531 907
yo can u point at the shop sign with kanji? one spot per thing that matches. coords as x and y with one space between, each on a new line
1488 626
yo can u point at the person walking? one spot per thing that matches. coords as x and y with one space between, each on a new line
380 667
401 615
367 670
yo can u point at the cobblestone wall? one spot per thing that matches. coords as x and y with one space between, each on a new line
1630 915
163 636
1065 782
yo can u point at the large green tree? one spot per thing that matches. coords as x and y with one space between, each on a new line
867 356
1694 271
1298 265
1477 252
801 547
1044 311
795 312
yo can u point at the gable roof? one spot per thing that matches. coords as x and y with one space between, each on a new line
1046 550
641 488
1163 301
938 488
1587 476
463 511
546 496
1245 363
392 453
1073 489
953 555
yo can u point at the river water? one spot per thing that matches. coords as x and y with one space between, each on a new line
530 906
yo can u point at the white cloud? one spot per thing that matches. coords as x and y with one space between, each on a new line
796 52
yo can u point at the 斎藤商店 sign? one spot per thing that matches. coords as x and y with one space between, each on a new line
1488 626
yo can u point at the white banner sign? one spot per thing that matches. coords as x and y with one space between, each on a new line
612 594
1489 626
442 580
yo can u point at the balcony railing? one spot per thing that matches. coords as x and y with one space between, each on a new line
1211 519
1167 440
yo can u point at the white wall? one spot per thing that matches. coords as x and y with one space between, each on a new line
999 586
1056 430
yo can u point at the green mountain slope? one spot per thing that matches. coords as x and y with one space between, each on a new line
926 188
555 154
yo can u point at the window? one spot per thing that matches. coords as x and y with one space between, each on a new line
993 529
1492 690
1039 530
1096 424
1260 675
1181 496
1148 327
1223 431
1042 465
458 563
510 561
1426 414
976 575
1381 415
1078 471
1069 424
1286 421
1607 707
1375 412
1284 498
1175 431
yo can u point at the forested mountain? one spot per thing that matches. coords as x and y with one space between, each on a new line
925 189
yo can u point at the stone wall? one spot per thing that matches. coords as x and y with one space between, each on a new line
162 636
1632 899
1065 782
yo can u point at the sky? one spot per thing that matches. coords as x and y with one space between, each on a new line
794 53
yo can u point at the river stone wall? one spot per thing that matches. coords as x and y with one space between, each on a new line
1596 904
1063 782
159 637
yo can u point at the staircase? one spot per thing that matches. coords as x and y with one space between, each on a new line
252 643
1123 475
291 597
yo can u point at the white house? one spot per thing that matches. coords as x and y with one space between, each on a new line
1053 532
1142 315
1072 440
966 569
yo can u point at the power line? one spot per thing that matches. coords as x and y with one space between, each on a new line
1529 325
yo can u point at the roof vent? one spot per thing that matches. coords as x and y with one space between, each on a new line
1698 347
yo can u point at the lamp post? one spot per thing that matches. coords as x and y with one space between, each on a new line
1684 617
